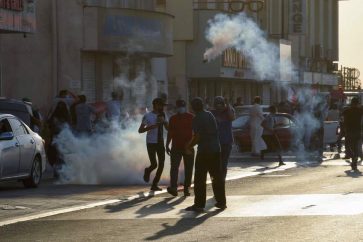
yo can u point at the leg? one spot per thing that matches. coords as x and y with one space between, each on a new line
218 183
161 157
175 159
151 150
225 153
200 178
188 169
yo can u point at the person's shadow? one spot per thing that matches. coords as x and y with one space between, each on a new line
166 205
188 221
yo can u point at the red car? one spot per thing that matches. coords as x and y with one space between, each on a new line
285 124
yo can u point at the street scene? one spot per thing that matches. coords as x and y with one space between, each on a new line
181 120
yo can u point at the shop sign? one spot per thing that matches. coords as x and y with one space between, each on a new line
17 16
297 17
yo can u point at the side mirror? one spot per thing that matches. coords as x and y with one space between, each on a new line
6 136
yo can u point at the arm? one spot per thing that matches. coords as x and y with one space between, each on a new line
169 138
231 113
144 128
194 141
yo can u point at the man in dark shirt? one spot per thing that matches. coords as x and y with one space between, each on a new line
353 128
208 158
224 115
180 133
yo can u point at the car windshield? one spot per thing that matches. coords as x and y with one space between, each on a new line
240 122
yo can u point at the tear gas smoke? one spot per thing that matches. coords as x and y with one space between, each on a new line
243 34
112 154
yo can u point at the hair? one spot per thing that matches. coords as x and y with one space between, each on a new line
355 101
63 93
197 104
82 98
114 95
219 100
272 109
257 99
61 112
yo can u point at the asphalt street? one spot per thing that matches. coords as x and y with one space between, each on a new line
298 202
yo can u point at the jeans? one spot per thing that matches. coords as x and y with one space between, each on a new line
153 150
225 153
175 159
208 163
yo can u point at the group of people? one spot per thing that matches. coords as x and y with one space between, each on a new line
70 110
211 131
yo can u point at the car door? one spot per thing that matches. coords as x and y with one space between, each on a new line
283 131
10 153
27 145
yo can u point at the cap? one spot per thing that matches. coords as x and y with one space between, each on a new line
159 101
180 103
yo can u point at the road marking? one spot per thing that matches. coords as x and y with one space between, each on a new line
232 175
238 207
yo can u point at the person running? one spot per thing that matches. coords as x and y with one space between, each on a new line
224 115
353 129
180 133
208 160
153 123
269 135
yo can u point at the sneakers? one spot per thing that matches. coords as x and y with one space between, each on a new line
354 166
155 188
186 192
172 191
146 175
220 206
195 209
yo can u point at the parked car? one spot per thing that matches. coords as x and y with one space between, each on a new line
285 125
22 153
20 109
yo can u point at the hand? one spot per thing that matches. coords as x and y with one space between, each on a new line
168 151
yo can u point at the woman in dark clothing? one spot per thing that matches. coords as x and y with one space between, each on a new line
59 119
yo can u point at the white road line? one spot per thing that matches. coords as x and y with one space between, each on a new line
232 176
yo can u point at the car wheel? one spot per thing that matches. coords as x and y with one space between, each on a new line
35 175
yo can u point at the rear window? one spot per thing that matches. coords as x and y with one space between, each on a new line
240 122
17 110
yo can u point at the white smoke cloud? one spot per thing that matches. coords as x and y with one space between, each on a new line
243 34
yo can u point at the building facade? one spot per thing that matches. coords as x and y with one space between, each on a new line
90 47
304 30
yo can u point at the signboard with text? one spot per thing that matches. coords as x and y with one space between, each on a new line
17 16
297 16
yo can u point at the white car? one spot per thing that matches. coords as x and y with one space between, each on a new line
22 153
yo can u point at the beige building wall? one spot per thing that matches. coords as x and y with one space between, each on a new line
183 32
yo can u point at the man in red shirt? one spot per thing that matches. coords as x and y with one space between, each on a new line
180 133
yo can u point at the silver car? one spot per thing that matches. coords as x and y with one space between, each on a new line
22 153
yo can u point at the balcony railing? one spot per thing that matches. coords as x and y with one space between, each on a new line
131 4
230 5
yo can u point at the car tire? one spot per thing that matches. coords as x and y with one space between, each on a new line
35 175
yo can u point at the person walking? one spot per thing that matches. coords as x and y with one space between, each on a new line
270 137
84 113
208 158
353 128
256 118
224 115
180 133
153 123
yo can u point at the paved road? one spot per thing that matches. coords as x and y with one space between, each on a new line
303 203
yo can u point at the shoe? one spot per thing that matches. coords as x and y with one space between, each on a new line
220 206
146 175
195 209
353 165
172 191
155 188
186 192
281 163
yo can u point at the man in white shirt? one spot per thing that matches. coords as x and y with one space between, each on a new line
113 109
153 123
